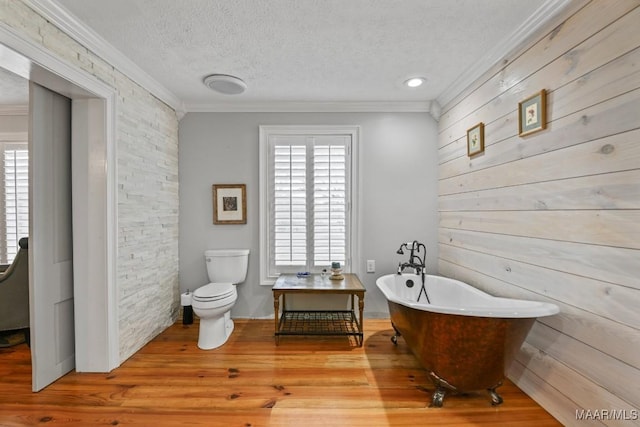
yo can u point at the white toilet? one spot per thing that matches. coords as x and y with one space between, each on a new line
212 302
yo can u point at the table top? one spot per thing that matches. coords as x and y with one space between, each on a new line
316 283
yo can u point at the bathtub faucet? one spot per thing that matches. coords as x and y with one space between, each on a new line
404 265
415 261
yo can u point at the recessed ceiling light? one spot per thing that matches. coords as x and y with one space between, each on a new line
222 83
415 81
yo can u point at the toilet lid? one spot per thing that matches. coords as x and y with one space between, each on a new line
213 291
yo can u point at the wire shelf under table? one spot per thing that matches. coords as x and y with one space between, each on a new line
310 322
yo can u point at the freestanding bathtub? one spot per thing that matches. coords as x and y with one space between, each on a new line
462 336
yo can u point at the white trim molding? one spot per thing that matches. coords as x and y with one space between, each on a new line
435 109
431 107
98 205
312 107
545 13
76 29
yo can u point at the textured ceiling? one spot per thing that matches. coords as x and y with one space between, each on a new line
306 50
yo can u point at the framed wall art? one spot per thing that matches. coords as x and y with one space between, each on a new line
475 140
532 114
229 204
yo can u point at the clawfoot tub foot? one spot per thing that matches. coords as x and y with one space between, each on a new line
437 398
442 386
394 338
496 399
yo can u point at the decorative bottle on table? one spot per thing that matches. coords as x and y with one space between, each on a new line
336 271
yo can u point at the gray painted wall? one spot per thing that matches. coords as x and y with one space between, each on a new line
398 200
14 123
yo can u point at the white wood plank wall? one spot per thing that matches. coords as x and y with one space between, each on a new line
555 215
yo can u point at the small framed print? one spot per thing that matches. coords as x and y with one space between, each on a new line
475 140
229 204
532 114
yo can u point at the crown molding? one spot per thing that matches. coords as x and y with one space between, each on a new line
312 107
544 14
77 30
14 110
84 35
435 109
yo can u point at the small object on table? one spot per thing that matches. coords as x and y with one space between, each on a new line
336 271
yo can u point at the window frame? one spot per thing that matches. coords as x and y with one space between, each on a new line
266 132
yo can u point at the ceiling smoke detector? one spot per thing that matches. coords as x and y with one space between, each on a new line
225 84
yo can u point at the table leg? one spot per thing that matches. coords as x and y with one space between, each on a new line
276 310
361 310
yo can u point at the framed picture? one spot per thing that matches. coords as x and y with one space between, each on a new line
532 114
475 140
229 204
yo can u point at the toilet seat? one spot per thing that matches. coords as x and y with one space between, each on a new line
214 292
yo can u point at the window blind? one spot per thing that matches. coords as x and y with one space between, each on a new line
290 205
329 204
15 186
310 191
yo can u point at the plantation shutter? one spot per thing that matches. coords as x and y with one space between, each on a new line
290 205
310 193
329 203
15 185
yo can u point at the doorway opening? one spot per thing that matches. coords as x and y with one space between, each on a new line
94 197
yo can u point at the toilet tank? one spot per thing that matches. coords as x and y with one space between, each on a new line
227 265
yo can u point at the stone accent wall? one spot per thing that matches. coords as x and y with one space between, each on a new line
147 152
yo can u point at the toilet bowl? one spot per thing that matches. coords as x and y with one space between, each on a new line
212 302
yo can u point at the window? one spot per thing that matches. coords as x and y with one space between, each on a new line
307 182
14 201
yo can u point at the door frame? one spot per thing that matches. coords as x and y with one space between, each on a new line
94 199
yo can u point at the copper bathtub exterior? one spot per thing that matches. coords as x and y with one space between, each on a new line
461 352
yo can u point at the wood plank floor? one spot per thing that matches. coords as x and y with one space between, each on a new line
250 382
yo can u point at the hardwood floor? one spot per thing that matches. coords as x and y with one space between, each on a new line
250 382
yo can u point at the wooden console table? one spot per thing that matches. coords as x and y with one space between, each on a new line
316 322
